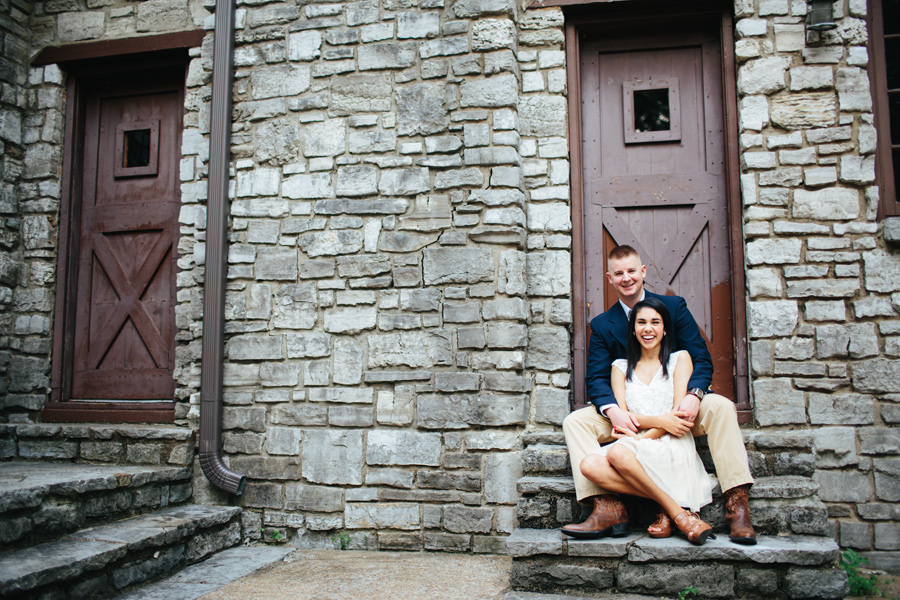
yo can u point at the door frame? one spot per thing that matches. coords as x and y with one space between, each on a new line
93 61
590 18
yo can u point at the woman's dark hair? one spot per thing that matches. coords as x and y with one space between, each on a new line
633 350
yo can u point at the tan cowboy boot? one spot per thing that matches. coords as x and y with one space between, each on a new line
737 515
607 518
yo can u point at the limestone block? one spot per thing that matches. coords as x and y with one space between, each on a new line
333 456
457 381
512 273
882 271
549 273
878 375
403 182
857 169
392 55
276 264
492 440
775 318
412 25
330 242
325 138
348 362
493 34
551 405
504 308
76 26
806 583
828 203
751 27
350 320
422 108
852 84
754 112
554 216
777 403
279 81
710 579
835 447
496 91
763 282
413 349
459 411
313 185
542 115
811 78
773 251
397 447
842 486
505 335
819 176
477 8
763 75
879 440
825 310
420 300
372 140
548 348
361 94
283 440
887 479
457 265
844 409
381 516
396 407
254 347
789 37
801 111
315 498
356 180
827 288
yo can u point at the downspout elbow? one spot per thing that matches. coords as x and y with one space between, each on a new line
217 472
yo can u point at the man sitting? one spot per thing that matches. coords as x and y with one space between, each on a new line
712 415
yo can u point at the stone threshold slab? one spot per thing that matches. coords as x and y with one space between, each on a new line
25 484
638 547
98 431
93 548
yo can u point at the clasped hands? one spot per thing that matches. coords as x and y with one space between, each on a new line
676 422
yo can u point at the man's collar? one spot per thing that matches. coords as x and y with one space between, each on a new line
628 310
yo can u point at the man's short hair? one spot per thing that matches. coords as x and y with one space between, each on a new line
622 251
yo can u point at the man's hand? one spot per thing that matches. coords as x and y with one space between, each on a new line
621 433
675 423
622 419
690 405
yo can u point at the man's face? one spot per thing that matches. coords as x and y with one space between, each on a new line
627 277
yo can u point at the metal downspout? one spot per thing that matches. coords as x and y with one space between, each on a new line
216 251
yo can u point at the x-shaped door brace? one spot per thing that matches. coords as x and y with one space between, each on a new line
662 269
129 290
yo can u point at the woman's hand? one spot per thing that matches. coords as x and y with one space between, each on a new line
622 432
676 422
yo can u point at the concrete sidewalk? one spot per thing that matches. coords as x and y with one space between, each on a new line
282 573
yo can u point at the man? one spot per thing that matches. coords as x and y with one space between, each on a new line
707 413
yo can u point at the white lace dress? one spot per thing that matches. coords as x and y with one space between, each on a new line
672 463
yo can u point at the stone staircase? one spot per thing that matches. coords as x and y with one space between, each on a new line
796 556
72 525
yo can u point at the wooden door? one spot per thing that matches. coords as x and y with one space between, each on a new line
654 178
124 334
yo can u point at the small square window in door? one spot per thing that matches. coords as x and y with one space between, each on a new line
137 149
652 111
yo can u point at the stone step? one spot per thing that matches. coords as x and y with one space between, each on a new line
778 505
40 501
796 566
125 443
110 559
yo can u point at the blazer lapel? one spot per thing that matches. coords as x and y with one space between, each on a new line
618 326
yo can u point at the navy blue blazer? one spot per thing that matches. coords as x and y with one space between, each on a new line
609 338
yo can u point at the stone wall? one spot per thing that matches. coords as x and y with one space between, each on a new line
399 269
822 285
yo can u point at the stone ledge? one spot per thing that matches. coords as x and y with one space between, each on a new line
535 485
94 549
638 548
101 431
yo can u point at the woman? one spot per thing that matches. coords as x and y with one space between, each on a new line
660 462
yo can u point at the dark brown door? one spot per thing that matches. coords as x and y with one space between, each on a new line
125 292
654 176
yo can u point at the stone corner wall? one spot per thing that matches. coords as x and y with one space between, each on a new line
823 287
399 270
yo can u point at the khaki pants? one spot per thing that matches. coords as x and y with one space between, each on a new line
585 430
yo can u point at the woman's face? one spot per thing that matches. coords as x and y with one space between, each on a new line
648 328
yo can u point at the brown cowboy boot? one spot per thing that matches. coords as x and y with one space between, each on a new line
737 515
607 518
